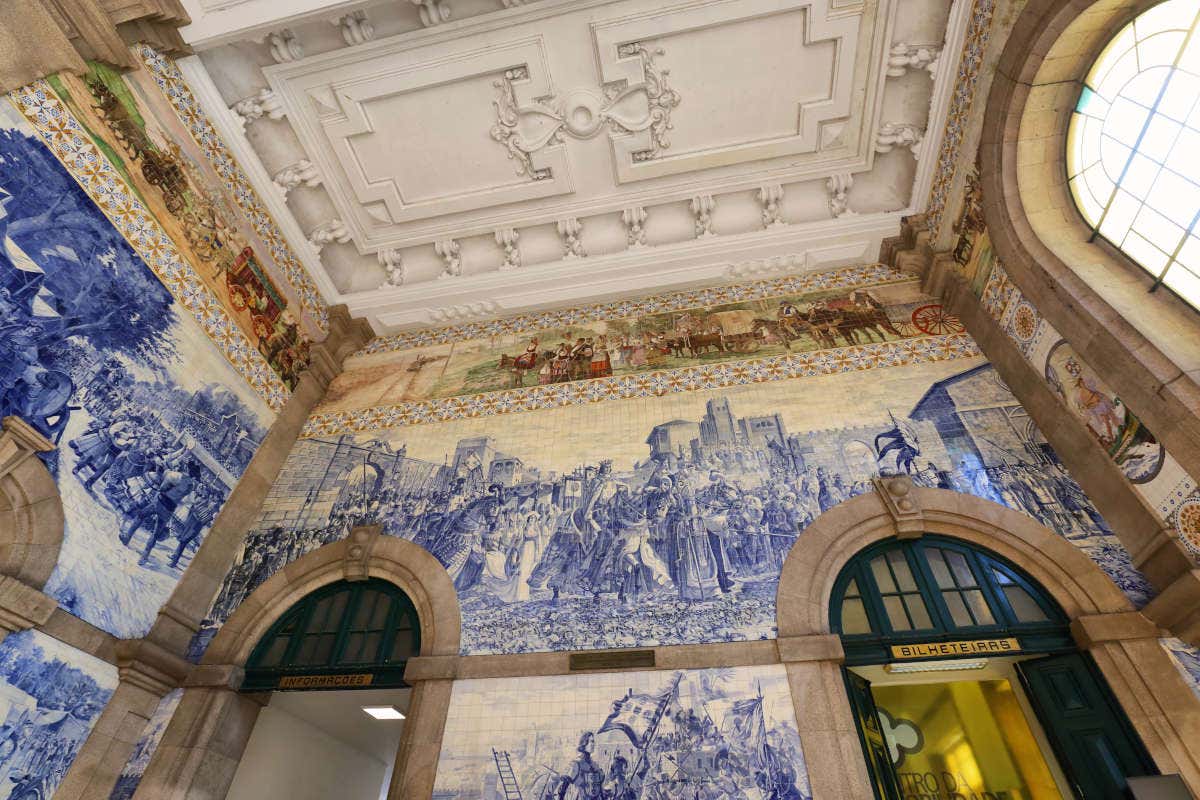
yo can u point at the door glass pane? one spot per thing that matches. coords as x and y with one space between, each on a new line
854 617
852 589
917 611
402 647
883 576
962 739
958 609
896 616
979 607
962 572
275 651
1023 605
901 571
937 565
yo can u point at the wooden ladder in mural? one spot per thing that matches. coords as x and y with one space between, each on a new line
508 779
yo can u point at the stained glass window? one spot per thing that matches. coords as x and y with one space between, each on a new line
1133 145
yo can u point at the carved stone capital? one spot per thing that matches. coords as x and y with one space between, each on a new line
358 551
18 441
148 666
899 497
22 607
214 676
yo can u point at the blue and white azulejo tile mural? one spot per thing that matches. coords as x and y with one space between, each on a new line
694 734
153 426
1186 659
147 743
50 698
660 520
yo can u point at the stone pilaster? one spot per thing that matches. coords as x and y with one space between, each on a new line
836 767
147 673
204 741
421 742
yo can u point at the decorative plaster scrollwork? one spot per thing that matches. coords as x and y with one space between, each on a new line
570 230
635 230
447 250
285 46
433 12
356 28
333 231
763 266
256 106
903 57
393 265
838 186
507 238
771 197
899 134
702 209
291 176
465 311
582 113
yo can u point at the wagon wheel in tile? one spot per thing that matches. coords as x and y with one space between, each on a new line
935 321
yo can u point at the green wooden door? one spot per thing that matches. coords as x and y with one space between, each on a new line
1095 746
879 761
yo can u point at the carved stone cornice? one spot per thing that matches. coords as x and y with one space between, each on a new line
22 607
148 666
41 37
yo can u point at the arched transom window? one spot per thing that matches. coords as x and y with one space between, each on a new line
1133 146
342 635
938 589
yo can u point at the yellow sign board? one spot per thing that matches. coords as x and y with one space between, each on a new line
325 681
975 647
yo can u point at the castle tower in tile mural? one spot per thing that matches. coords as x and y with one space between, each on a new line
605 400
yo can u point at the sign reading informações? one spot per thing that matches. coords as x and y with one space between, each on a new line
973 647
325 681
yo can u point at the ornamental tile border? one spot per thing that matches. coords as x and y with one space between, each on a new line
974 45
858 358
75 150
174 86
845 278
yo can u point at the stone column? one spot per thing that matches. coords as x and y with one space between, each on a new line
204 741
1159 704
147 673
837 768
432 678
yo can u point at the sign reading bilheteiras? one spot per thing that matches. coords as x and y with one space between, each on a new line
325 681
973 647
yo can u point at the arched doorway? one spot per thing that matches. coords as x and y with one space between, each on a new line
965 680
334 663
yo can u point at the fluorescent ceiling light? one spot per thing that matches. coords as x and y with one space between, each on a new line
935 666
383 712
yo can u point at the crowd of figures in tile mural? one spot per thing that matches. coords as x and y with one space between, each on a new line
689 735
132 124
50 697
663 520
153 427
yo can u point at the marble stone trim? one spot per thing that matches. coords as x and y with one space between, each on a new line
32 521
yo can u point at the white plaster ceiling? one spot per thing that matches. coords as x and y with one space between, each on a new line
468 158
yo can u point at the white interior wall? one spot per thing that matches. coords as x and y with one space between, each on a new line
289 759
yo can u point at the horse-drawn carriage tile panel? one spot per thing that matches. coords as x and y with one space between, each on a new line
152 425
131 122
657 338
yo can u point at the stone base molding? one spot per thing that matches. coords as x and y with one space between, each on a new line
22 607
31 512
41 37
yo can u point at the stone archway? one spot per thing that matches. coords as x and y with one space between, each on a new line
31 510
205 739
1124 644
